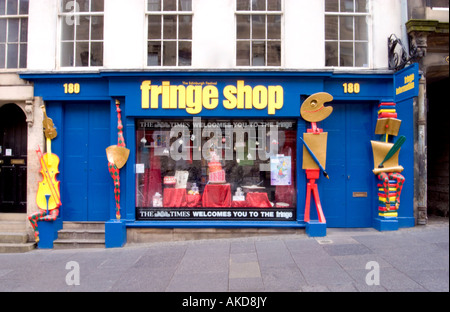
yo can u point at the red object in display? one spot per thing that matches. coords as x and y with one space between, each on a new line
174 197
217 196
214 166
259 200
194 201
170 180
152 185
238 204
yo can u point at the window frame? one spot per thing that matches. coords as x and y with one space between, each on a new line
152 156
369 19
20 17
266 13
62 16
162 40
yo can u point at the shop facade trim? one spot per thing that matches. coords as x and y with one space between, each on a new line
105 87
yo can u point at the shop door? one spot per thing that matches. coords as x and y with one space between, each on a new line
13 159
87 185
347 196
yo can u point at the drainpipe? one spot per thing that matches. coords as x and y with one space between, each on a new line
404 17
420 118
422 217
418 31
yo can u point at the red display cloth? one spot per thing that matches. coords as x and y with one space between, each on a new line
259 200
194 200
174 197
152 180
285 194
152 185
238 204
217 195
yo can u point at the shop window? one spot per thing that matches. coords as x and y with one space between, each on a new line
205 169
347 33
258 32
81 33
13 33
169 35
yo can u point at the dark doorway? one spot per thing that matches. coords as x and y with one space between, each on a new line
13 159
438 148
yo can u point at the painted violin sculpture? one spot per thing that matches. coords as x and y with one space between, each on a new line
49 127
49 169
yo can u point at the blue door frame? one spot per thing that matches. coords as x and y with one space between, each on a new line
346 197
83 133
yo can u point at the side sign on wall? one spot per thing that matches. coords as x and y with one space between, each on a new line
406 83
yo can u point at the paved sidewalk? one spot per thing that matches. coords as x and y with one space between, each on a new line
415 259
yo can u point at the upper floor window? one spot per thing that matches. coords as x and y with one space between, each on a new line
438 4
169 35
258 32
81 33
13 33
347 33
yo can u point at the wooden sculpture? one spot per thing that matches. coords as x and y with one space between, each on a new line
386 164
315 148
117 157
48 196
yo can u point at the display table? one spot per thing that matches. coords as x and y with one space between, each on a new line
238 204
174 197
216 196
259 200
194 201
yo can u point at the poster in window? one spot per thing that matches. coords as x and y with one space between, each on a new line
181 178
280 170
160 142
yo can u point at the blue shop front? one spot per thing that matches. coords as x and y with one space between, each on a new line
233 149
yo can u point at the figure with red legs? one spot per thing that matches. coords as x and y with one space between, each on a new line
315 149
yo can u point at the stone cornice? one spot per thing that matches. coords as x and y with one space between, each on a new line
432 26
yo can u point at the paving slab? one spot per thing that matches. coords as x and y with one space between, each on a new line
246 284
411 260
347 250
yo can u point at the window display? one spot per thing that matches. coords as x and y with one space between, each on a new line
209 169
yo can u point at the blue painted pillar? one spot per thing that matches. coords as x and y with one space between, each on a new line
48 232
115 234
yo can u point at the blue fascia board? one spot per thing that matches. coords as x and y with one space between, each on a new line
52 75
216 224
78 99
123 74
105 84
216 73
203 73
